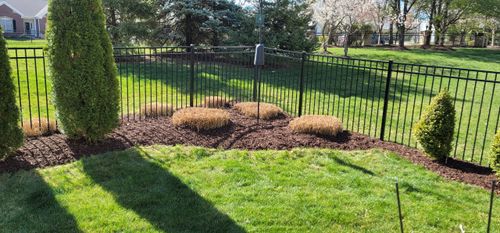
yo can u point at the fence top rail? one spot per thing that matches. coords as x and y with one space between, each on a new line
445 67
382 61
285 51
185 47
151 47
26 48
225 47
324 55
294 53
347 58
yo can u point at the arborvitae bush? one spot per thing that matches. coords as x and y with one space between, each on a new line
434 131
11 135
83 69
495 154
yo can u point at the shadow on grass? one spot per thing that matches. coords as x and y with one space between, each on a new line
157 195
28 204
353 166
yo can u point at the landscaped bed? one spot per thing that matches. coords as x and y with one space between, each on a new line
191 189
242 133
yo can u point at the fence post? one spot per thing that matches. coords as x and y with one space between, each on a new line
191 75
386 100
255 82
301 87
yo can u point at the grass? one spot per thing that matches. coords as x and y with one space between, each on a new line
157 110
36 43
471 58
319 125
353 91
264 111
187 189
201 118
215 102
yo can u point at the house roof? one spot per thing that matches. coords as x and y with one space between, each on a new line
27 8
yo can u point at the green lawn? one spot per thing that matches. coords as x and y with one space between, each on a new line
471 58
350 90
186 189
36 43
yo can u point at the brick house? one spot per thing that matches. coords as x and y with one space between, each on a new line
23 17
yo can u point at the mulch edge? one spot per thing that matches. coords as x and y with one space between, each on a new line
455 170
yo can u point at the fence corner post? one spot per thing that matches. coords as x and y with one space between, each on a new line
191 75
301 84
386 99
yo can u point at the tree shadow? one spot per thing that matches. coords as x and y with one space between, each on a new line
157 195
29 205
353 166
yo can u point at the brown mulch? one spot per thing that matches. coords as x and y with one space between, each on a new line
242 133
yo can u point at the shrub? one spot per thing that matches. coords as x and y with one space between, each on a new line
83 70
434 131
157 109
495 154
201 118
320 125
215 102
11 136
267 111
39 127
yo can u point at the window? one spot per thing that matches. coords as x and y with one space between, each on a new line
7 24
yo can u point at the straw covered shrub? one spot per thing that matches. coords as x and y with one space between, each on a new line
434 131
495 154
201 118
215 102
11 136
318 125
83 69
39 127
157 110
267 111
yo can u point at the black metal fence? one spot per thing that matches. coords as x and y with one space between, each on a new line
381 99
414 39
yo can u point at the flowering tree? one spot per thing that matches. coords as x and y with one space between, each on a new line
343 15
380 16
403 12
326 13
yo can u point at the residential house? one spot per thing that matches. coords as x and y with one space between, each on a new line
23 17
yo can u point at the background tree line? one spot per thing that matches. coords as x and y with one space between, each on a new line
288 23
444 17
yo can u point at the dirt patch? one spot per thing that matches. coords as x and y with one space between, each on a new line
242 133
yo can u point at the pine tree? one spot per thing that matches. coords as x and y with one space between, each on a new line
11 136
83 69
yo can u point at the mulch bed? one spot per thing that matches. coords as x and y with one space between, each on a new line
243 133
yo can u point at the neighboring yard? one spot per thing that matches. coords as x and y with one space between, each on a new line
26 43
470 58
187 189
